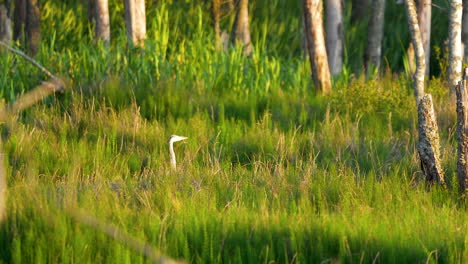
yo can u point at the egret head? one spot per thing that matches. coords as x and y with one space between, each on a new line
175 138
172 139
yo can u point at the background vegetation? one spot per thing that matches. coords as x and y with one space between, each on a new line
271 171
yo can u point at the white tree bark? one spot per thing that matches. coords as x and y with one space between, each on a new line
135 20
418 82
102 21
334 35
465 30
375 35
455 44
424 10
241 31
313 22
424 19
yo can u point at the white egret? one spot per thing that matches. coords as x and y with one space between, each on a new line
172 139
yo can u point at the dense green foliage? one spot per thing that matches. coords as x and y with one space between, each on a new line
271 171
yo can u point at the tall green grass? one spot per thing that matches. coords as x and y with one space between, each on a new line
271 172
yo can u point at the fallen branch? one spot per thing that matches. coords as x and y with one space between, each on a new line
117 234
31 60
32 97
56 84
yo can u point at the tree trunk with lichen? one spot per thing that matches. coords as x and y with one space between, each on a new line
428 142
334 35
241 31
135 21
462 131
465 31
455 44
313 24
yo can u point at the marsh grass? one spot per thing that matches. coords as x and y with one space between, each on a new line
271 172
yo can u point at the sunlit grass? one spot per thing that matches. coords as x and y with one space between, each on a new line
271 171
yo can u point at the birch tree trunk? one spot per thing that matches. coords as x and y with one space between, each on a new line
428 142
313 23
335 35
455 45
241 31
424 11
462 131
135 20
102 31
424 18
419 74
5 24
465 30
375 36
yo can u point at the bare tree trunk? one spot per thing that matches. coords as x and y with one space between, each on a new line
19 20
424 18
335 35
375 36
91 10
428 143
465 30
316 44
455 45
359 10
416 40
135 19
5 24
215 17
424 10
102 21
241 31
27 24
33 26
462 131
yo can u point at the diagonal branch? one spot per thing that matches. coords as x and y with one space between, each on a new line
32 97
35 95
32 61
